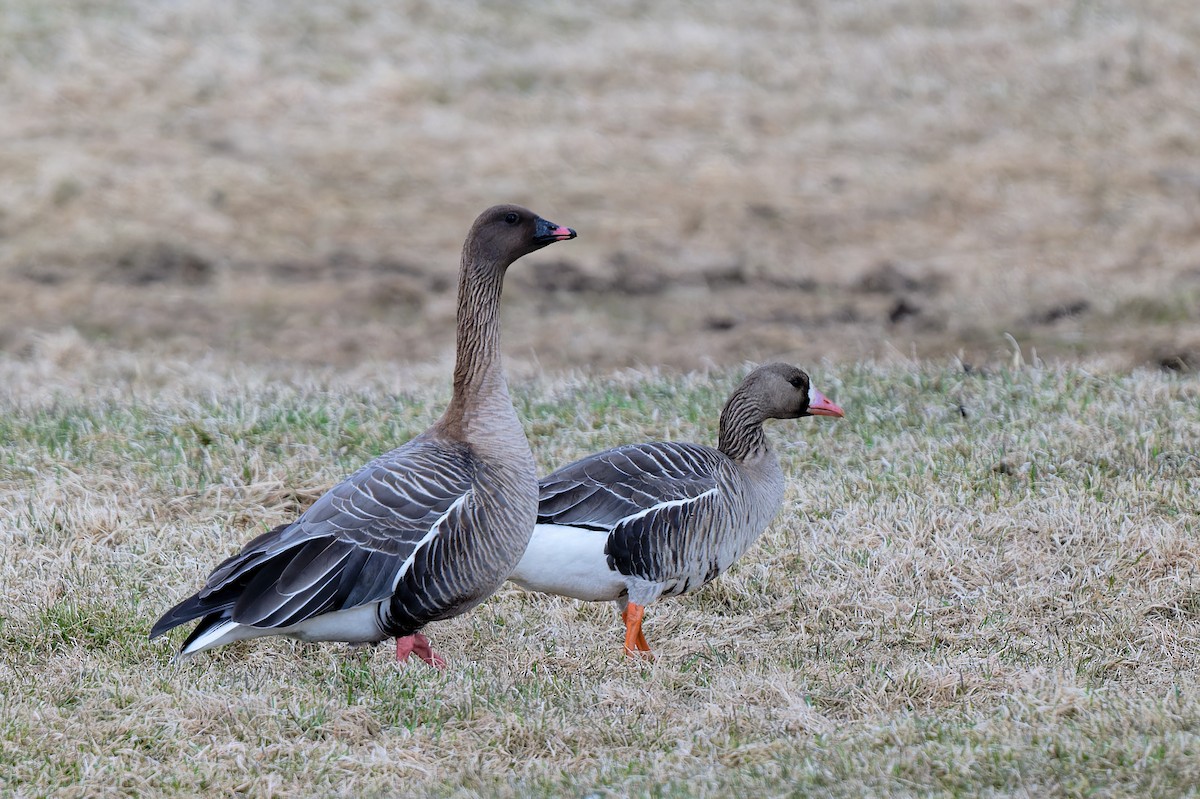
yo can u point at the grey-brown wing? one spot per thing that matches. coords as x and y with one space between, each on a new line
649 499
350 548
609 488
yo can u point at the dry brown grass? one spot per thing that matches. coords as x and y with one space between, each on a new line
999 603
227 241
749 181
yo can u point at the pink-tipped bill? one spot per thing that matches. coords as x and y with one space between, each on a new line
819 405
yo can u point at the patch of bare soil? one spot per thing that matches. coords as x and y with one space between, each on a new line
561 314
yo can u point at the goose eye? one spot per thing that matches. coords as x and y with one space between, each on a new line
797 382
511 218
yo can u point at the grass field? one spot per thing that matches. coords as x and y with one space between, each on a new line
982 583
228 236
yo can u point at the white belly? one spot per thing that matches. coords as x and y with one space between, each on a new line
570 562
352 625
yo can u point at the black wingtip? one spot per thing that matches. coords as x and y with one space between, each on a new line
185 611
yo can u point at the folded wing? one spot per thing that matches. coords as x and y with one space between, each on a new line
644 496
351 548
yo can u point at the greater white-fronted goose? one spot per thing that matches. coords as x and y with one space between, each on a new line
643 521
421 533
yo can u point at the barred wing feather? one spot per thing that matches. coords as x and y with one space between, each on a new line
602 490
349 548
651 500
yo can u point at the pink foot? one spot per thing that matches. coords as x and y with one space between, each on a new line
417 644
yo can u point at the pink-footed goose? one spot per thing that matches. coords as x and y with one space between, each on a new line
643 521
421 533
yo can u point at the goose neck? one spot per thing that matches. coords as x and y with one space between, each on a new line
477 353
742 435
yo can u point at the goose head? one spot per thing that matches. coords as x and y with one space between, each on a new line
504 233
785 392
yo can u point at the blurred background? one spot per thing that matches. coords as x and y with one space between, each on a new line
275 182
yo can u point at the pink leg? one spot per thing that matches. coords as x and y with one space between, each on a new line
417 644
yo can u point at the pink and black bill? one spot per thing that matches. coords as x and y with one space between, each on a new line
546 232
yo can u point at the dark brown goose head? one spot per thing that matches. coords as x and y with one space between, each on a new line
504 233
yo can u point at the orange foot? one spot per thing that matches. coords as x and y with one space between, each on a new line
417 644
635 642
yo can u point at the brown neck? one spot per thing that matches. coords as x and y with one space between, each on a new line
742 427
477 363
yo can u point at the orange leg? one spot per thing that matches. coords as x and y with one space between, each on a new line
417 644
635 642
